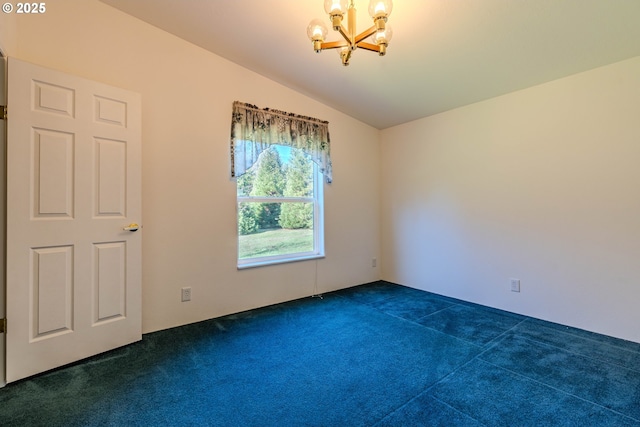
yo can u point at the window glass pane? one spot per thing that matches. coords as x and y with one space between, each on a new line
269 229
279 171
245 183
268 174
298 173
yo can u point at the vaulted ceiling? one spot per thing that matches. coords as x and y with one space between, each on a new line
444 53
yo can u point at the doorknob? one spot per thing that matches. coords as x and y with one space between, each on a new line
132 227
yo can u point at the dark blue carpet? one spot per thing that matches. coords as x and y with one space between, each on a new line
378 354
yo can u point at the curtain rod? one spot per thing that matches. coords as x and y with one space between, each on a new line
280 113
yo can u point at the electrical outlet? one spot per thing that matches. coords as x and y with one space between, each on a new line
374 262
515 285
186 294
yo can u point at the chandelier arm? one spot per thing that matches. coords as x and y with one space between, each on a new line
366 33
345 56
369 46
345 34
334 45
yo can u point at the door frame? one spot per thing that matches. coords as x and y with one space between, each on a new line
3 216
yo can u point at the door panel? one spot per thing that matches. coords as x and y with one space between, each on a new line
53 173
111 179
110 285
73 183
52 290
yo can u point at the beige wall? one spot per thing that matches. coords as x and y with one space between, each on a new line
8 37
541 185
188 198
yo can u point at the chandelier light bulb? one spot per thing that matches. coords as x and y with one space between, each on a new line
383 37
380 8
317 30
335 7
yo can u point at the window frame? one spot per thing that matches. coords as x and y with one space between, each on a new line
318 224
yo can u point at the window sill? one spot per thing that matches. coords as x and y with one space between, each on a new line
266 262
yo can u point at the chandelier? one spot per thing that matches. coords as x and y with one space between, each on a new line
380 33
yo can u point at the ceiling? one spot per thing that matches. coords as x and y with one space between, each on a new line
444 53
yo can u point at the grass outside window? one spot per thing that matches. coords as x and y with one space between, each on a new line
275 242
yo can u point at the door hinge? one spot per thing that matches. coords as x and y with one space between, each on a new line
3 112
3 326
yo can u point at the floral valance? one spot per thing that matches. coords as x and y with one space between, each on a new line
253 130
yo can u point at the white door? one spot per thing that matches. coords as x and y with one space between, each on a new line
73 186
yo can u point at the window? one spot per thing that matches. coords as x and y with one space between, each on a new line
280 214
279 161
